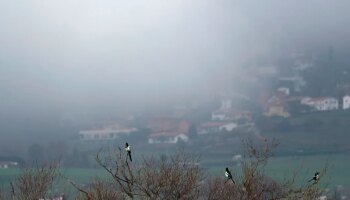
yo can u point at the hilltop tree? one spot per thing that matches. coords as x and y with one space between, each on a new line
254 184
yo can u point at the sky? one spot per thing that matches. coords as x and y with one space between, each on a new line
78 55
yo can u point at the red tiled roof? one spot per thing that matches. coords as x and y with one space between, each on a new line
217 112
294 98
213 124
320 98
275 104
168 127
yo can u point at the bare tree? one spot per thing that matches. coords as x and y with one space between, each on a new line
219 189
117 165
171 177
174 177
2 197
254 184
100 190
34 183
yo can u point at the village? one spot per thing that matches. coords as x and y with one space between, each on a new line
277 93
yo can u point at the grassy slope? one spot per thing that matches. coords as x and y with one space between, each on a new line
315 133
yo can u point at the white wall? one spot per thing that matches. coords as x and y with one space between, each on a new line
346 102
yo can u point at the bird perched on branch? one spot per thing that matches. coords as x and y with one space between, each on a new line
316 177
128 151
229 175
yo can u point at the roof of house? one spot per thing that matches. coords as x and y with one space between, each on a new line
214 124
169 127
167 124
231 112
114 128
316 99
276 104
293 98
165 134
8 163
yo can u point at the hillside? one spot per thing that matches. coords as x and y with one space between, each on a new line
311 133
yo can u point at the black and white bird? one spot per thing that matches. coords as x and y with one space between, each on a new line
229 175
128 151
316 177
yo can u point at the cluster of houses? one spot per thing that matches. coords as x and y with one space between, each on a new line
225 119
110 132
281 103
228 117
172 129
163 130
168 130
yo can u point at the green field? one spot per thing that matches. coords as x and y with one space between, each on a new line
79 175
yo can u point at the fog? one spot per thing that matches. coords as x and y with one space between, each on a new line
205 77
83 55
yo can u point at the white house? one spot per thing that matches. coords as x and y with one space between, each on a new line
346 102
321 103
215 127
228 126
168 130
222 115
284 90
109 133
167 137
7 164
218 115
226 104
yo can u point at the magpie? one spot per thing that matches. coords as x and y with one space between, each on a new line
128 151
316 177
229 175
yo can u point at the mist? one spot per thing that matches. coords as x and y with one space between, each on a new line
105 56
203 77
